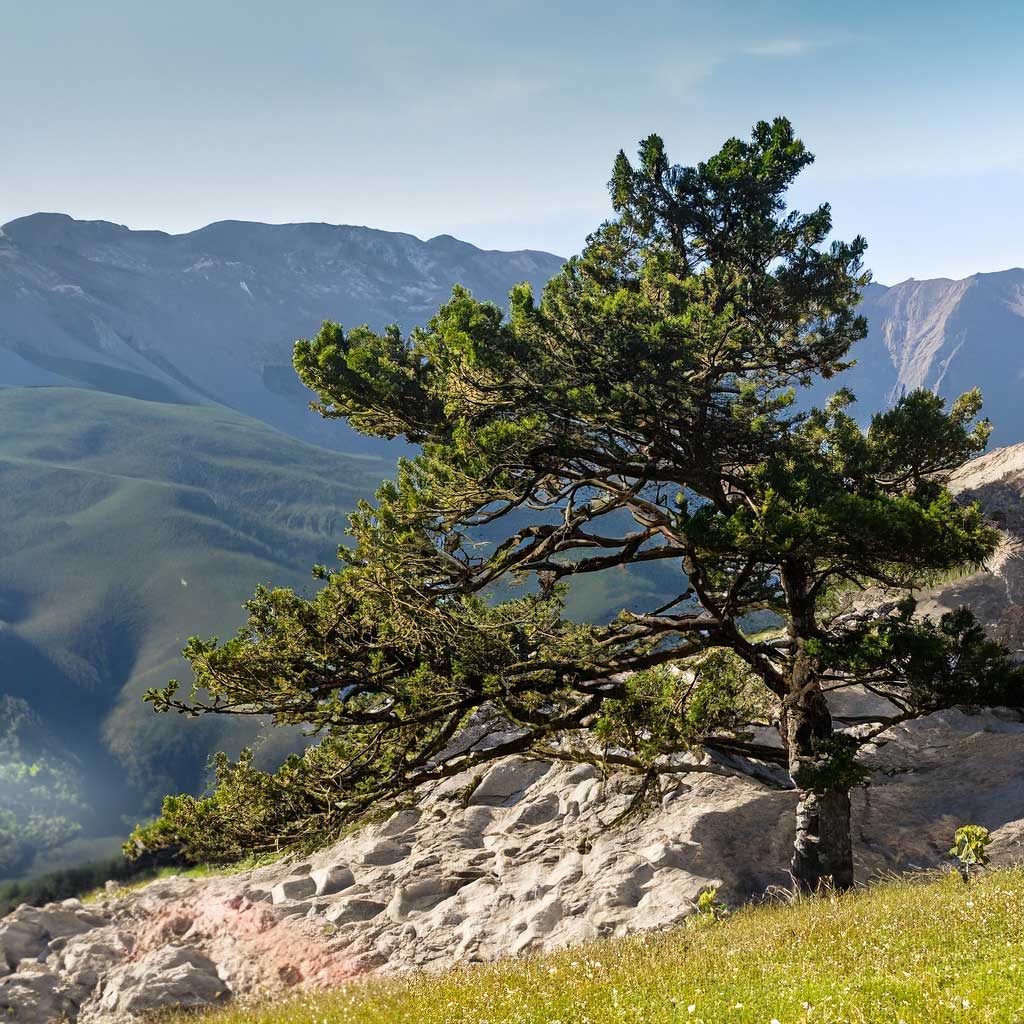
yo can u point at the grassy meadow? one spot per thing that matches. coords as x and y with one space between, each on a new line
921 951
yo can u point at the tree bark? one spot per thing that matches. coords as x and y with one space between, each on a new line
822 846
822 849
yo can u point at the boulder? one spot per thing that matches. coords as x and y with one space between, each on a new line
507 779
332 879
170 977
85 960
356 908
422 894
399 823
34 996
20 939
62 919
299 887
384 852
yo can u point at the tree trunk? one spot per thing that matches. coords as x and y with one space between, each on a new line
822 848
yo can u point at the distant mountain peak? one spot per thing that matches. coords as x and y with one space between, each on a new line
43 229
949 335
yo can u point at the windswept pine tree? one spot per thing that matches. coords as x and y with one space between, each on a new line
646 409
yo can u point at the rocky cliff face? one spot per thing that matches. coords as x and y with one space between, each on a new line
996 482
949 336
522 857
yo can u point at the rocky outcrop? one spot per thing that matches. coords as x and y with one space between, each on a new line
996 594
521 858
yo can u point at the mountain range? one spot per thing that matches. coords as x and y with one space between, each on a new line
155 465
211 316
158 459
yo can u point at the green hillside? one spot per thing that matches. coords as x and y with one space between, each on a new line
126 526
902 951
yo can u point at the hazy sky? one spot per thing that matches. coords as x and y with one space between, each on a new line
498 121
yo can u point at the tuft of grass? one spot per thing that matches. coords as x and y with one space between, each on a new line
125 888
922 951
195 871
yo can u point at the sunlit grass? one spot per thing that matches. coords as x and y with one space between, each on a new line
918 952
196 871
125 888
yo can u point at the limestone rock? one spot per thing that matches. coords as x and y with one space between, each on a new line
332 880
28 931
399 823
423 894
297 888
20 940
384 852
34 996
507 779
169 977
533 867
354 909
84 960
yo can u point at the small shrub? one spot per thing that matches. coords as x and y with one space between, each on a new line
969 848
709 907
60 885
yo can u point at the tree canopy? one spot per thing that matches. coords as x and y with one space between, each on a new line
645 409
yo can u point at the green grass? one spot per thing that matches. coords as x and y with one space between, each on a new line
127 888
925 951
195 871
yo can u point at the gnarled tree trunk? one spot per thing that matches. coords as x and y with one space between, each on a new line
822 847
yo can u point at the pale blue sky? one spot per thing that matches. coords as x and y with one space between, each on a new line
497 121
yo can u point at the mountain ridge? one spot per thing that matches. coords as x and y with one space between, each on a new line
210 316
945 334
43 216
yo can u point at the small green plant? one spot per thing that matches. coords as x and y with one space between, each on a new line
969 848
709 907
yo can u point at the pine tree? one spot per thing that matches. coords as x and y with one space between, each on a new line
644 410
